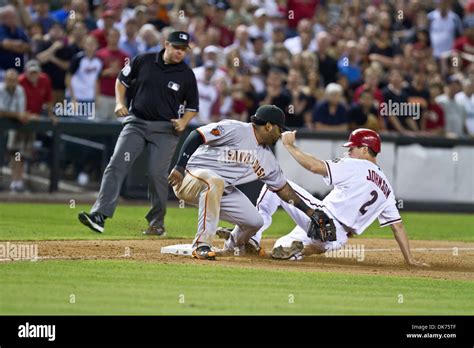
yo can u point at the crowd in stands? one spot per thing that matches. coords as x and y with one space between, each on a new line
401 66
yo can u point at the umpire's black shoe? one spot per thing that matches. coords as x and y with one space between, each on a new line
155 231
94 221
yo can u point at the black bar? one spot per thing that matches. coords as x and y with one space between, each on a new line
258 330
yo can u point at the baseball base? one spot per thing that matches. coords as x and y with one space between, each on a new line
178 249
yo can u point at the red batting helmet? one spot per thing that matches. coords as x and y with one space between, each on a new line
364 137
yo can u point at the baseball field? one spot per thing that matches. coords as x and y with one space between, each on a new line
123 272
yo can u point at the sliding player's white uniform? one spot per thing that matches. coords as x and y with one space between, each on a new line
361 194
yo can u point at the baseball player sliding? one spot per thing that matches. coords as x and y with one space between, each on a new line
217 157
361 194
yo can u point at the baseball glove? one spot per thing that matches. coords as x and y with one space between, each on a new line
321 227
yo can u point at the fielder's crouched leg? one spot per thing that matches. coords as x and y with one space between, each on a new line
203 188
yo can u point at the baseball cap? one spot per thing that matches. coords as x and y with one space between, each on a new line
260 13
269 113
33 65
179 38
212 49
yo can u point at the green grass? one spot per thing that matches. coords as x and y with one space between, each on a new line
19 221
135 288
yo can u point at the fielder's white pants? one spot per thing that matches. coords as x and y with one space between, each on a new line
268 203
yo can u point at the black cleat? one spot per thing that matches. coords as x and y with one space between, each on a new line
94 221
155 231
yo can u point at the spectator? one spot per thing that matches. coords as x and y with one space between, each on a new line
113 60
212 53
208 97
371 83
363 114
42 15
261 27
80 11
258 55
245 97
82 80
54 56
464 46
349 64
129 43
383 50
277 39
142 15
433 118
13 106
299 113
13 41
61 14
304 40
242 44
420 49
226 36
301 11
236 15
76 36
35 36
38 93
327 64
395 94
280 59
418 93
275 93
466 98
150 39
330 114
444 26
38 90
101 33
455 114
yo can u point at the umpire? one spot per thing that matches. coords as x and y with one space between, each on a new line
163 86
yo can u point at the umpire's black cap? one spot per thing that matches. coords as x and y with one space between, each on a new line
269 113
179 38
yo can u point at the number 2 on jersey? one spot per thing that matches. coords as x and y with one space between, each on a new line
363 209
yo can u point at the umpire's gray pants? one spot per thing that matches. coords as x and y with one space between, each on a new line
160 140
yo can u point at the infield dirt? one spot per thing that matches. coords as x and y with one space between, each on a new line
448 260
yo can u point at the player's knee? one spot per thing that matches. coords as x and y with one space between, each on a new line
255 223
217 184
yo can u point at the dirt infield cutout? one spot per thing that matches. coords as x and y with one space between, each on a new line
448 260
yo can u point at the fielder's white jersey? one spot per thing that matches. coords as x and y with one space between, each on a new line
231 150
361 194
